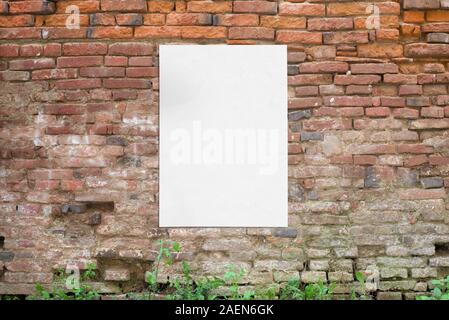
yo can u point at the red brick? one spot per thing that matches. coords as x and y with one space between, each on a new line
365 160
64 109
203 32
115 61
16 21
282 22
41 7
131 49
401 78
9 50
60 20
74 84
369 68
32 64
303 9
378 112
85 6
84 48
180 19
20 33
102 72
131 19
31 50
380 50
340 37
427 50
410 89
323 125
413 16
157 32
111 32
124 5
237 20
304 103
64 33
126 83
350 112
48 74
292 36
357 79
209 6
142 72
80 61
154 19
310 79
162 6
251 33
329 24
255 7
323 67
102 19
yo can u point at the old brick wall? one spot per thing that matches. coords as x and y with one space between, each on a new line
368 140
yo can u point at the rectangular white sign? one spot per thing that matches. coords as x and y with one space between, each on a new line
223 136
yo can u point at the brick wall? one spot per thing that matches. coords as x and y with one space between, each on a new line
368 140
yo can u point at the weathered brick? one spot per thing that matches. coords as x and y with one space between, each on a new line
251 33
303 9
421 50
240 20
421 4
369 68
287 36
36 6
124 5
255 7
329 24
131 49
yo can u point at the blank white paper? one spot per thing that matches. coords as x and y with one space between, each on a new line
223 136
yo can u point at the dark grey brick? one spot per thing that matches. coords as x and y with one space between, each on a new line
116 141
95 219
6 256
307 136
74 208
285 232
418 101
298 115
293 70
371 178
433 182
295 192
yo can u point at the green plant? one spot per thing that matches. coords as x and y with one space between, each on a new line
165 255
233 277
439 292
312 291
59 289
186 288
292 291
319 291
269 293
360 293
8 297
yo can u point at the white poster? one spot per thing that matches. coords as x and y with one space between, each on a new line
223 136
